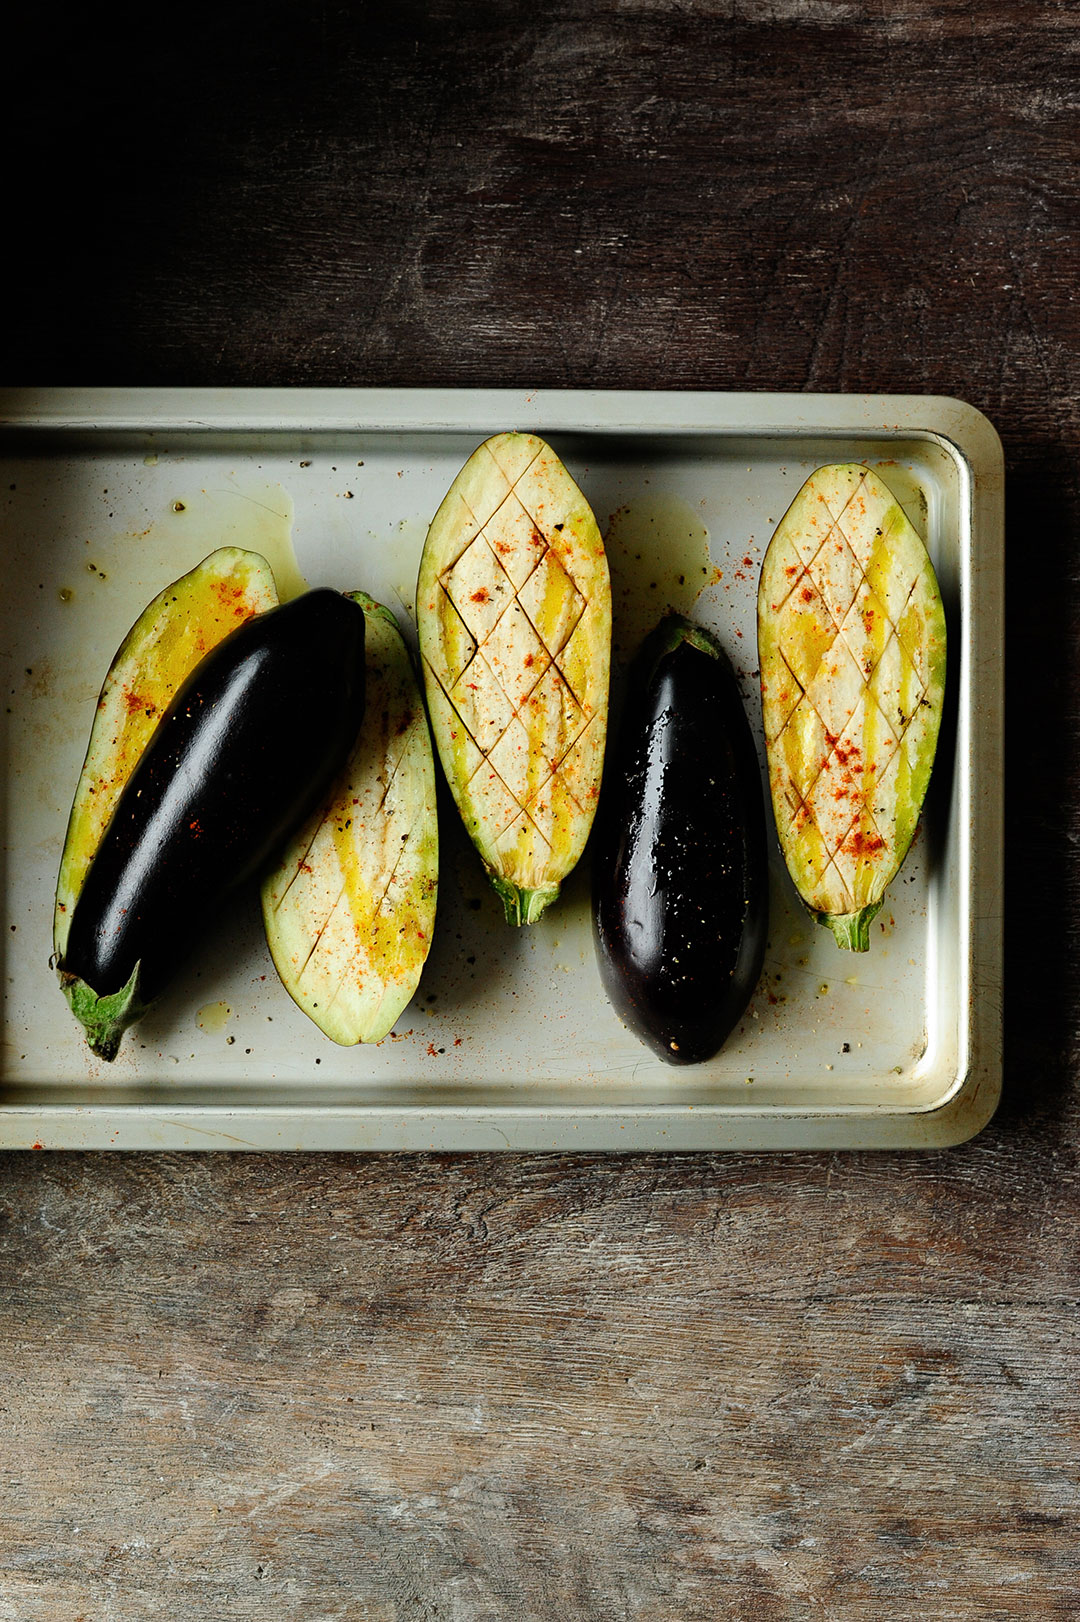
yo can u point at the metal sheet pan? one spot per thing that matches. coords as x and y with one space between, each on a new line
510 1042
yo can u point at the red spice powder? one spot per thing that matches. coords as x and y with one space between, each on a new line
232 600
859 843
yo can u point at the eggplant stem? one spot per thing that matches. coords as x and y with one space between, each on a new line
852 929
523 906
104 1019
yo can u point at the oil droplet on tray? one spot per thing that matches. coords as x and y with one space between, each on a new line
407 542
658 552
255 516
213 1017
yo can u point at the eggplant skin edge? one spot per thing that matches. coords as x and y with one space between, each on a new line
237 761
680 866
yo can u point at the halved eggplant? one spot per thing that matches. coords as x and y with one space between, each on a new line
249 745
851 642
513 609
680 880
349 909
170 637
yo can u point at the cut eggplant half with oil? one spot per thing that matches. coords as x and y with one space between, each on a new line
349 909
680 865
851 643
514 619
249 745
170 637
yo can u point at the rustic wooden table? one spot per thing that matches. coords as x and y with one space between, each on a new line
481 1387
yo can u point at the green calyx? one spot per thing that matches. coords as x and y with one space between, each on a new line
522 906
672 632
852 929
104 1019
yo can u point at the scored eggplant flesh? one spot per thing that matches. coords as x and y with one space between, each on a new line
851 644
349 909
514 620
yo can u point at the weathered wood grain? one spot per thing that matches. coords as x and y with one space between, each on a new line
484 1386
476 1388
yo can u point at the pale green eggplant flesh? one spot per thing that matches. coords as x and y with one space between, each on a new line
349 909
851 645
514 620
171 636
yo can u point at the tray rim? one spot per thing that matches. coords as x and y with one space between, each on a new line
959 428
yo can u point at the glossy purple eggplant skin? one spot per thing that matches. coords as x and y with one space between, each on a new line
680 863
247 749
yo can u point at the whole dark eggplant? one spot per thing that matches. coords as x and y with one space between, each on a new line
680 865
246 750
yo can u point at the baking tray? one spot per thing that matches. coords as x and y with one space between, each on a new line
510 1042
